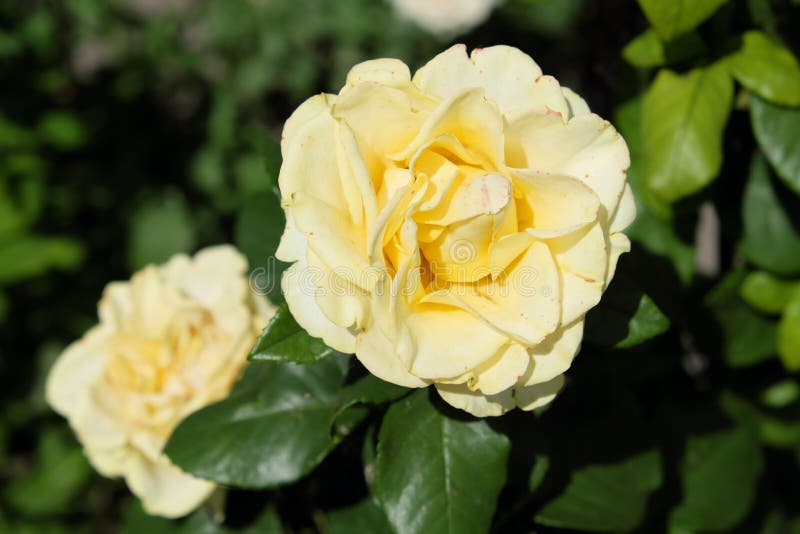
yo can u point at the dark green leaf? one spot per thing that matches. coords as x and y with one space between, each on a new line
777 130
259 226
62 129
767 68
606 498
674 17
435 473
283 340
684 119
770 239
273 429
366 516
719 473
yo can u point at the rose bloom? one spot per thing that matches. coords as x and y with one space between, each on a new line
455 227
445 18
171 340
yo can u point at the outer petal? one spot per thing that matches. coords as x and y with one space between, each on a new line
307 111
78 367
626 211
388 72
620 244
536 396
554 355
299 288
510 78
587 148
164 489
379 356
478 404
501 372
577 105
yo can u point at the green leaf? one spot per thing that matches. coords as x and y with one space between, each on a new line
748 338
789 334
777 130
769 239
781 394
160 228
366 516
28 256
63 130
436 473
273 428
767 68
719 473
675 17
684 120
259 226
136 521
648 50
61 471
606 498
767 293
283 340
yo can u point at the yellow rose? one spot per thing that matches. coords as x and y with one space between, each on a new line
453 229
171 340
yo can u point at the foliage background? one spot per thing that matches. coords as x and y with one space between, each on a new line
134 129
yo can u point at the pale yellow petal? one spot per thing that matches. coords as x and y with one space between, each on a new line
478 404
389 72
532 397
554 355
577 105
626 211
587 148
164 489
552 205
502 371
307 111
379 355
293 243
620 244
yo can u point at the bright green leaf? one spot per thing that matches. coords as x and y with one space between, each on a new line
160 228
789 334
436 473
684 120
767 293
28 256
62 130
777 130
606 498
283 340
770 240
273 428
767 68
675 17
719 473
648 50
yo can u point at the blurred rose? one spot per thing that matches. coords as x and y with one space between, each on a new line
171 340
446 18
453 229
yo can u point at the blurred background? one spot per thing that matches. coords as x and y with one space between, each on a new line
134 129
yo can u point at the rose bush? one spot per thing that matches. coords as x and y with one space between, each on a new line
455 227
171 340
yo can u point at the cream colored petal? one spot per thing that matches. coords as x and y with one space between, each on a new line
626 211
469 117
587 148
444 342
577 105
389 72
164 489
532 397
306 112
478 404
338 294
554 355
293 243
523 304
299 288
582 259
79 365
379 356
470 196
215 276
154 302
502 371
552 205
620 244
510 78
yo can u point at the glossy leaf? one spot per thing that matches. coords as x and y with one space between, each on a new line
789 334
273 429
684 120
283 340
673 17
777 130
719 473
435 472
767 68
766 223
366 516
767 293
605 498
